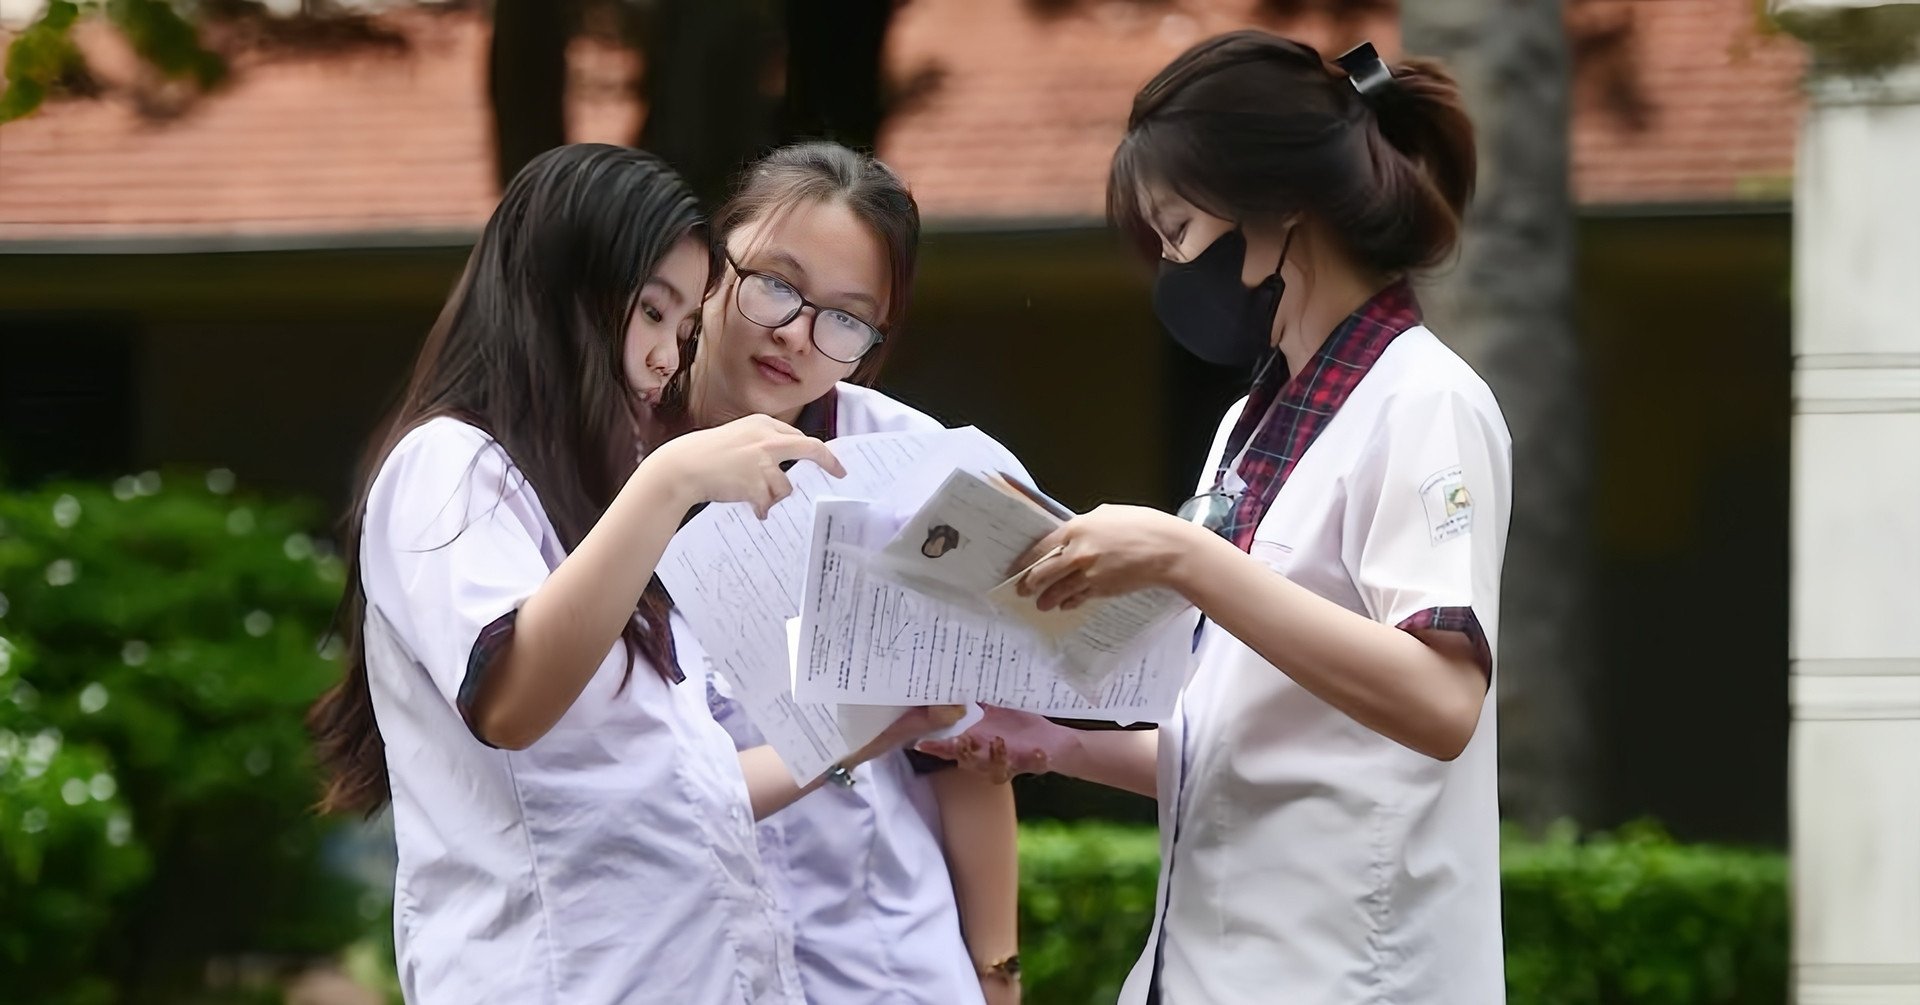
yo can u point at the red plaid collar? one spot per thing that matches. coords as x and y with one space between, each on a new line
1283 417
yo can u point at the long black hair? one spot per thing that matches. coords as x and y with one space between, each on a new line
529 348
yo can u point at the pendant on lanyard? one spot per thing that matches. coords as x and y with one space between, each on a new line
1213 509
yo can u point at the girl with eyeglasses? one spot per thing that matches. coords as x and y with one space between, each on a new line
901 882
1328 812
571 824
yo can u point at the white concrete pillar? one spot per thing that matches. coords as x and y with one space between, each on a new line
1855 596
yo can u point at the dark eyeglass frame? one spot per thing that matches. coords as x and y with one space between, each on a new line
813 331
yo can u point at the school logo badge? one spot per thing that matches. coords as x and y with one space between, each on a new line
1458 499
1448 505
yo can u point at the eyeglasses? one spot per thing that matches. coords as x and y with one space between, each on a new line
770 302
1209 509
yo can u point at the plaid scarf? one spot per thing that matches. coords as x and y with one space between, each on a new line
1283 417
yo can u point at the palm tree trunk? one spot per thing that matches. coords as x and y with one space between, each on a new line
527 80
835 81
1508 307
709 110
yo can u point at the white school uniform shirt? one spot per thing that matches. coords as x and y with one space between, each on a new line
1304 857
860 871
613 860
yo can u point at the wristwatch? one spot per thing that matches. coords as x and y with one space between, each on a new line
1006 968
840 775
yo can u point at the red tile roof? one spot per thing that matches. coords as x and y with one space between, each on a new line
1721 99
1019 125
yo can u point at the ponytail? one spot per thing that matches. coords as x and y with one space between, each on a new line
1419 144
1423 117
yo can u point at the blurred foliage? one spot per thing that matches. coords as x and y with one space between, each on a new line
1086 903
1628 919
164 39
155 782
184 47
66 849
40 58
1638 919
43 59
370 960
707 65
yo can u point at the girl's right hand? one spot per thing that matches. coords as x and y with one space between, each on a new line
913 724
740 462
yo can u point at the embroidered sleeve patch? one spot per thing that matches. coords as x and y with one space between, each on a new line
1448 505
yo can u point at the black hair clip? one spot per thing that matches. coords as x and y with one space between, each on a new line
1366 70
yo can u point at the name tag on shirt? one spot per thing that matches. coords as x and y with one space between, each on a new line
1448 504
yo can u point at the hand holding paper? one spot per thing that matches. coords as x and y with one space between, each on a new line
1113 553
962 543
905 726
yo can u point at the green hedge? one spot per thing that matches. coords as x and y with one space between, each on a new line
1633 919
155 787
1629 920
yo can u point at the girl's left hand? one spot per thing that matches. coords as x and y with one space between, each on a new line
1111 551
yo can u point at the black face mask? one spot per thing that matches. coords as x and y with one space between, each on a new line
1210 312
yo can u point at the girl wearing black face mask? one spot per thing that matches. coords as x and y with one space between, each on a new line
1205 307
1327 791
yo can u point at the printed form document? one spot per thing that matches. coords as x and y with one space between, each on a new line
859 597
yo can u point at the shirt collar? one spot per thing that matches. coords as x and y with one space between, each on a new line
1284 416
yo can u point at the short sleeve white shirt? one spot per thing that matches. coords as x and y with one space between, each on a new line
860 871
613 860
1305 857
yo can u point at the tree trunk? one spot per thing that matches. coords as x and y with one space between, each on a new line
1508 308
527 80
708 107
834 74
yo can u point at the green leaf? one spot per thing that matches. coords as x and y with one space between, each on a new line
39 58
168 41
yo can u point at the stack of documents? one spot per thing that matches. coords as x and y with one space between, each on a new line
899 576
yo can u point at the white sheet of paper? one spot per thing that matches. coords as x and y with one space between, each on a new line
963 541
738 580
959 547
869 640
859 724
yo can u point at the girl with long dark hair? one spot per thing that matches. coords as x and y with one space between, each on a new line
572 825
